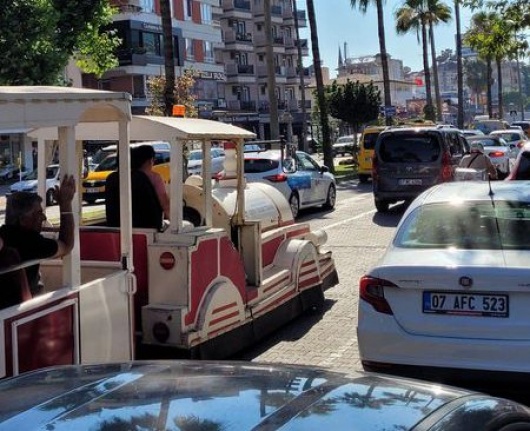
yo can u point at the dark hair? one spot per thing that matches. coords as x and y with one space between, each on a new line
19 204
139 155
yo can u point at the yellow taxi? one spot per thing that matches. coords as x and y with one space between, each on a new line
366 151
94 184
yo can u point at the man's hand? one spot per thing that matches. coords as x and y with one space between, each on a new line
65 193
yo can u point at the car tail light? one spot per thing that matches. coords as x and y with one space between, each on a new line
447 171
278 178
372 290
520 144
496 154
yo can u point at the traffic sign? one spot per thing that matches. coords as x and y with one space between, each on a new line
387 111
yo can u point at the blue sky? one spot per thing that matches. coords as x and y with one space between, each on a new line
337 23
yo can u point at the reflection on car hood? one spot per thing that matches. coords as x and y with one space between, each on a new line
24 185
223 395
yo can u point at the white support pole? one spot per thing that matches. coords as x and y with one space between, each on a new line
124 168
207 181
176 196
41 170
68 163
240 154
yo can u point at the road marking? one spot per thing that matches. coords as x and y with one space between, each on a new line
349 219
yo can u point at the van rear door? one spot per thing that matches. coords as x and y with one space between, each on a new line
409 160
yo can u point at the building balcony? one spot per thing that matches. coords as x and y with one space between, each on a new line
280 71
304 46
239 69
232 36
238 8
276 13
241 105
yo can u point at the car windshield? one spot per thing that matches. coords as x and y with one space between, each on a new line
468 226
510 137
487 142
409 148
50 173
109 164
369 140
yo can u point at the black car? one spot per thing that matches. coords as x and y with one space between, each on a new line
200 395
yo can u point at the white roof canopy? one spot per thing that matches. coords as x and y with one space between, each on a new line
151 128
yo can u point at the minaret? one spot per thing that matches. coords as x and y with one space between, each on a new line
341 63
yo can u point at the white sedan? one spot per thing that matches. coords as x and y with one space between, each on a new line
501 154
303 181
452 290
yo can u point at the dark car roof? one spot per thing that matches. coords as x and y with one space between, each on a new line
223 395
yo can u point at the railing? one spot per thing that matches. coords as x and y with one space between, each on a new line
247 105
276 10
242 5
244 37
247 69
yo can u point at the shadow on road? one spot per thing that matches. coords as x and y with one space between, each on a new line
390 218
292 331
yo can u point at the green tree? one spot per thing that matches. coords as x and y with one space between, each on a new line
183 94
476 77
40 36
413 15
354 103
363 7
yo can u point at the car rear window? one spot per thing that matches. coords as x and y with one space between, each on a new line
369 140
256 166
409 148
487 142
473 226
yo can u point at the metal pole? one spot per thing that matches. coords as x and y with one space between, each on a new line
271 73
519 85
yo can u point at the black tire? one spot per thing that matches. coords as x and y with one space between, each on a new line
381 206
331 198
294 202
50 197
363 179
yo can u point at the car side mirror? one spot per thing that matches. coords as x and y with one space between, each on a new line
323 169
512 146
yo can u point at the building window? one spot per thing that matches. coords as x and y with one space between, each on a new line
241 58
188 8
206 13
147 6
190 50
152 43
208 52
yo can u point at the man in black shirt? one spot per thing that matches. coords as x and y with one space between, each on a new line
23 225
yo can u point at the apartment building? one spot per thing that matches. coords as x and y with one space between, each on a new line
244 56
196 34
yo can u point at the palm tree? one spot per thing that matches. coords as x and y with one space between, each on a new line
169 57
437 12
363 6
459 67
321 97
476 78
413 15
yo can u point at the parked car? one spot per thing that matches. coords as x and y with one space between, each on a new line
366 151
345 145
501 154
511 136
30 182
195 161
521 169
451 290
202 395
10 172
303 181
409 160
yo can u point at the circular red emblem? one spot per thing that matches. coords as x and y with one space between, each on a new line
167 260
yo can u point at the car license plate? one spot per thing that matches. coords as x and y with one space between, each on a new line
466 304
410 182
92 190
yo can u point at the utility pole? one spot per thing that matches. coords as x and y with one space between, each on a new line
459 68
271 73
301 76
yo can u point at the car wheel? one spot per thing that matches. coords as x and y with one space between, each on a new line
381 206
294 202
50 197
363 179
332 198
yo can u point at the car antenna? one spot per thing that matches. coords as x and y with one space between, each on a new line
491 194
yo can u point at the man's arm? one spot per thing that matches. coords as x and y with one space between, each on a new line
64 195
